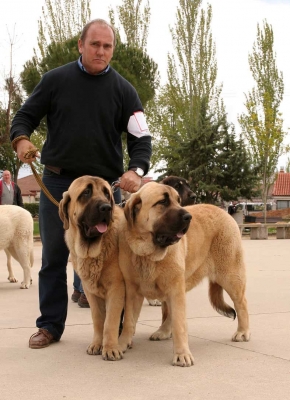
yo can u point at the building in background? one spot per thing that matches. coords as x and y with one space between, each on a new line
30 189
281 191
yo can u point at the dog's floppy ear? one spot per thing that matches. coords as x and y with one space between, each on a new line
63 209
132 207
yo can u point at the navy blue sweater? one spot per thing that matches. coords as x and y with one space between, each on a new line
86 115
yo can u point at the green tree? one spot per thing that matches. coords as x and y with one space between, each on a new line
57 54
238 177
134 22
262 124
192 114
215 162
138 68
61 20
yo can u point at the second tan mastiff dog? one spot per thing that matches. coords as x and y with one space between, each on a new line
90 219
166 250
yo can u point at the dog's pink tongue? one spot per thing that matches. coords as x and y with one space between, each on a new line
180 234
102 227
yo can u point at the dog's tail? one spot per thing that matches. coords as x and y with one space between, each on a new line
216 297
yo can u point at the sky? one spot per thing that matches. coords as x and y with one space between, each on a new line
234 30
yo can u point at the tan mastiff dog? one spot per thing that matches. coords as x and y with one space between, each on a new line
187 198
90 219
166 250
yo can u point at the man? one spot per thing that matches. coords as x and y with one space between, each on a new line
10 193
88 105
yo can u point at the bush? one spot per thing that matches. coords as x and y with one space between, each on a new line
33 208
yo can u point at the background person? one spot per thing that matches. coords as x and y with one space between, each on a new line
232 208
10 192
88 105
79 295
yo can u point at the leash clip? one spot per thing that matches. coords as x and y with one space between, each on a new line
115 185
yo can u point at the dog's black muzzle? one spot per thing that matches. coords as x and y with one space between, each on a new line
95 220
172 232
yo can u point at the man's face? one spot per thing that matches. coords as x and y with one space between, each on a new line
97 48
6 176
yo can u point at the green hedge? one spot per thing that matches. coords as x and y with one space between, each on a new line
33 208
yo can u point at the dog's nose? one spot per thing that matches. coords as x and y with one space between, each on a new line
105 208
187 217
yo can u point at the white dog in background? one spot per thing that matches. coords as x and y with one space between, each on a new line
16 239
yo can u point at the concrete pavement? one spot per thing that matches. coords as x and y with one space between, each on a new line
259 369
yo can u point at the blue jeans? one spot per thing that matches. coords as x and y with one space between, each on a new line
77 283
53 297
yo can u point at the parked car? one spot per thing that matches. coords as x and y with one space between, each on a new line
252 207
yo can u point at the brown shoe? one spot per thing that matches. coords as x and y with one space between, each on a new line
83 301
75 296
41 339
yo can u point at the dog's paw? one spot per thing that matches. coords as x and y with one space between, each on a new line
183 360
154 302
241 336
12 279
24 285
125 343
94 349
112 353
160 335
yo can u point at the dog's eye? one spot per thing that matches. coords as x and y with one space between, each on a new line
86 192
107 194
163 202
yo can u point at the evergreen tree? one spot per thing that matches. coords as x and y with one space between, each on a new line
239 177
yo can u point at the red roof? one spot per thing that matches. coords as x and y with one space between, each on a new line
282 184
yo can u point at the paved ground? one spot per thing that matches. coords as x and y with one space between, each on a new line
259 369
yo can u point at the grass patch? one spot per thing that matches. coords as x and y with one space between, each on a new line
36 228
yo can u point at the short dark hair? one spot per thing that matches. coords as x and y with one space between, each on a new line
97 21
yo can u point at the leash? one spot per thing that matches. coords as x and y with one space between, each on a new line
31 154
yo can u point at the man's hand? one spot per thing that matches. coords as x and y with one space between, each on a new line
24 147
130 182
